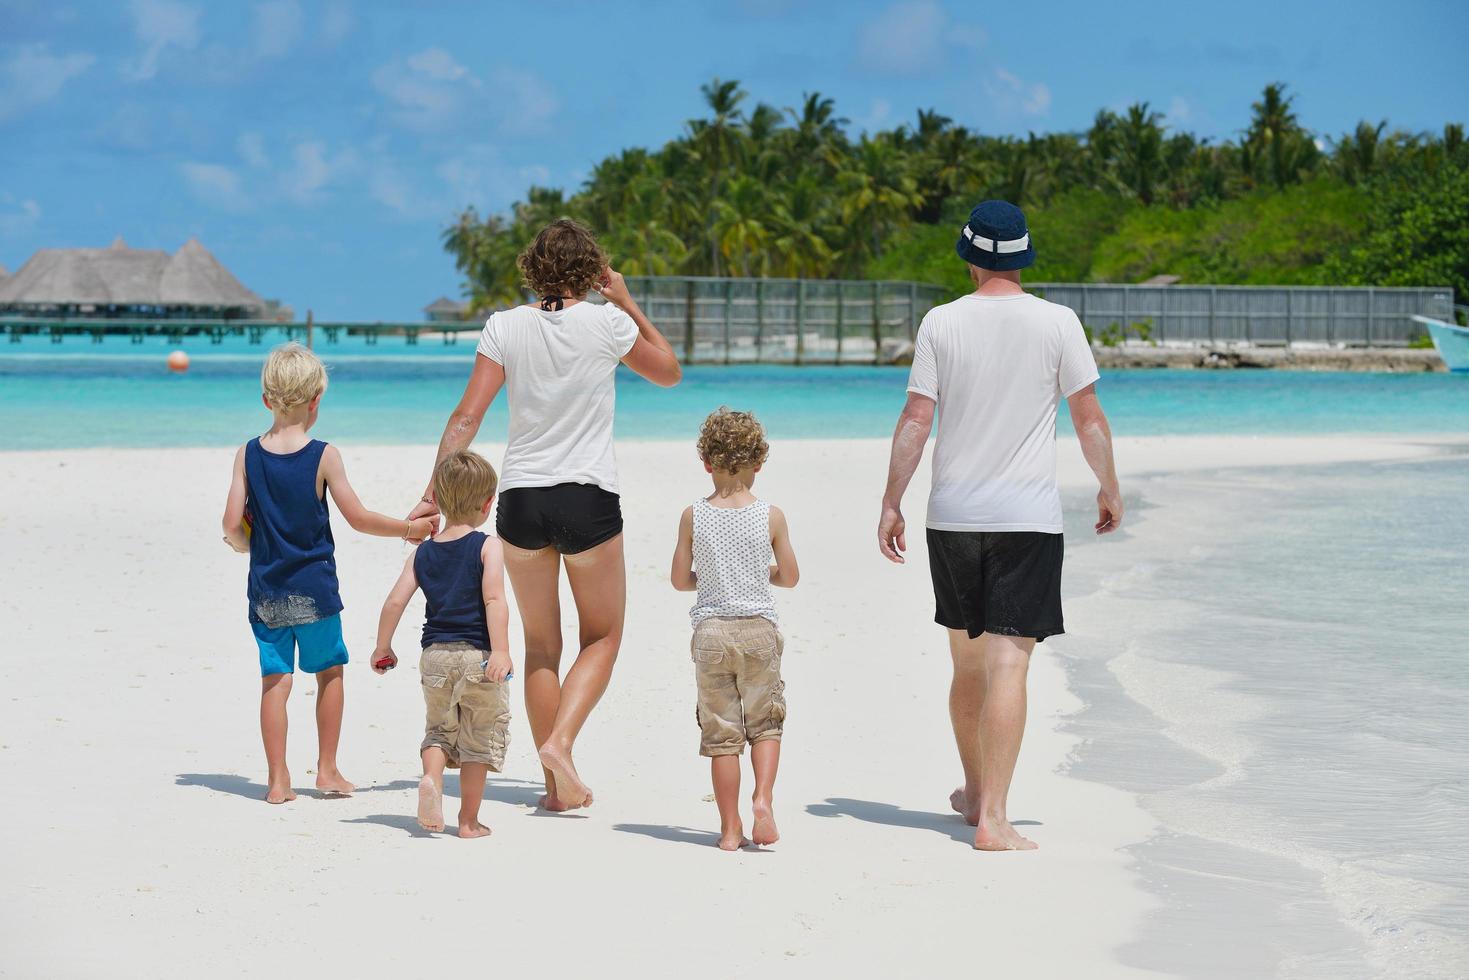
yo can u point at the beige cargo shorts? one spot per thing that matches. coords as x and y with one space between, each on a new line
741 695
468 717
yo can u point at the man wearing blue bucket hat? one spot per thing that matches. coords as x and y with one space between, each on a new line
995 363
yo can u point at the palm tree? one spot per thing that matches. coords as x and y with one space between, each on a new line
1279 142
1140 150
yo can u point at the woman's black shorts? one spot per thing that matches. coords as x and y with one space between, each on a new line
570 517
1005 582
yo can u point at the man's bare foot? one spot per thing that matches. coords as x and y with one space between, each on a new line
570 790
473 828
733 839
332 781
965 806
430 805
279 791
996 834
551 803
765 831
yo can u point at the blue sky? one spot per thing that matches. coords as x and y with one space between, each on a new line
320 147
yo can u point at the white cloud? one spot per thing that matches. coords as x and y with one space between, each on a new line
430 91
17 216
1179 111
913 37
312 169
215 185
161 24
1013 92
337 21
252 149
33 76
279 24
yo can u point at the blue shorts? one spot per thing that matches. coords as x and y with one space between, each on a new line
320 643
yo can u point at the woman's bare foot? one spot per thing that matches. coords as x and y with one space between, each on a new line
965 806
765 831
996 834
472 828
430 805
570 790
279 790
733 838
332 781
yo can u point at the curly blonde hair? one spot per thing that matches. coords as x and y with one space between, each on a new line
732 441
564 260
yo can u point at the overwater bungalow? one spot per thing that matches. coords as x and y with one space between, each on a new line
445 310
119 282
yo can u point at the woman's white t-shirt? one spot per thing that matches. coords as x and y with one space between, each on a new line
560 368
998 366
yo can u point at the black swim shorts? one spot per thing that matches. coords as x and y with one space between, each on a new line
570 517
1004 582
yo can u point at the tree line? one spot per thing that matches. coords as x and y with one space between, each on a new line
756 190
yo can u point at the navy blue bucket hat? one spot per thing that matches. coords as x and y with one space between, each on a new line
996 238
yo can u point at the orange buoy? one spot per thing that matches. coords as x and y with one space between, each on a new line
178 361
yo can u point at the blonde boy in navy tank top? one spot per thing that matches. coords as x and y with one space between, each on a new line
466 643
726 543
276 511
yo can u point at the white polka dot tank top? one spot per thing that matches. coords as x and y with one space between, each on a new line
732 556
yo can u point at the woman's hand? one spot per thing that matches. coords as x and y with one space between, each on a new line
614 289
425 508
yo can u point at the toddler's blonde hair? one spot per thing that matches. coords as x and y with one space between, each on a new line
292 376
732 441
462 484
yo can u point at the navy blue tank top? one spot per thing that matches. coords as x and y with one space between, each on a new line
293 568
451 575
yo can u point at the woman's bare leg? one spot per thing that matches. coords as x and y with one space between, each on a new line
598 580
535 576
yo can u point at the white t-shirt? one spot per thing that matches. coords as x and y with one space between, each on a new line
559 377
998 366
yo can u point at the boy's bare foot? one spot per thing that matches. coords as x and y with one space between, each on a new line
280 792
733 839
473 828
332 781
996 834
966 806
765 831
430 805
570 790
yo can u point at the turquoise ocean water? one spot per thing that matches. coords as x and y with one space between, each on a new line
116 394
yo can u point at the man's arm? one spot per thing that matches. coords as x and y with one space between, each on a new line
1096 445
914 426
682 575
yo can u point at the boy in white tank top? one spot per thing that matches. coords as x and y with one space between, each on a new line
726 543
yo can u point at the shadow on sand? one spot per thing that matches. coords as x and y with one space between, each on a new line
242 786
949 824
403 822
677 835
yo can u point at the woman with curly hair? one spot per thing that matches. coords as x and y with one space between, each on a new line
557 358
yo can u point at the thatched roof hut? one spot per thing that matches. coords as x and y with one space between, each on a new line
444 310
123 281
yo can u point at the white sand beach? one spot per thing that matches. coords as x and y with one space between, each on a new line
135 843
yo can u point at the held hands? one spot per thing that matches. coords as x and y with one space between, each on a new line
383 660
891 536
421 527
613 288
1109 511
498 667
423 521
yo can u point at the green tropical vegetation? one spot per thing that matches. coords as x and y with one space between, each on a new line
756 190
